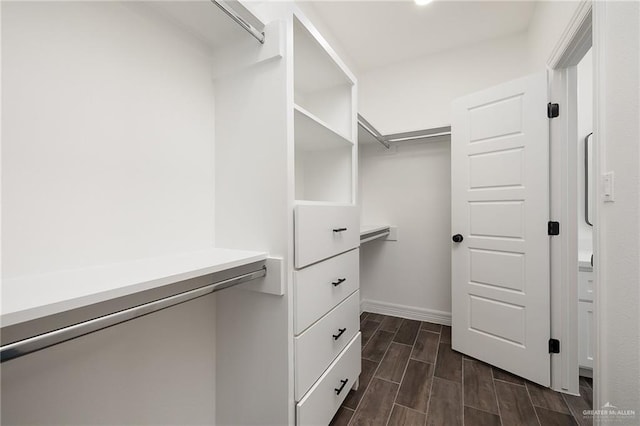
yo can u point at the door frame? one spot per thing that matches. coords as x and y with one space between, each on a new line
580 35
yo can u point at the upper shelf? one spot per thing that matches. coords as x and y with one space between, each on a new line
33 297
216 23
313 134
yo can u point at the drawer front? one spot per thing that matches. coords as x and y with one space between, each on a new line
585 286
317 347
323 400
320 287
324 231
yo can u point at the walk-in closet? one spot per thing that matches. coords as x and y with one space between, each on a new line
270 213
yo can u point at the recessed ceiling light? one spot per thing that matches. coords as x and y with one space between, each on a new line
422 2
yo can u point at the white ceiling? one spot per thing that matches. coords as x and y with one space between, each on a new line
378 33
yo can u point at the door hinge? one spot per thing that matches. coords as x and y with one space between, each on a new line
554 346
553 110
553 228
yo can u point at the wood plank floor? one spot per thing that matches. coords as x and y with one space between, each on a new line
411 376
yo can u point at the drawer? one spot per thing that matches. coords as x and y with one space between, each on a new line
324 231
323 400
585 285
317 347
319 288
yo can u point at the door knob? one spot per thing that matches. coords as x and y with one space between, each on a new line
457 238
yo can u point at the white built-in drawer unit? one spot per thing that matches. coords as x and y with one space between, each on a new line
326 274
323 400
322 231
317 347
320 287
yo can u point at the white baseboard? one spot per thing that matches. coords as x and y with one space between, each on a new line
408 312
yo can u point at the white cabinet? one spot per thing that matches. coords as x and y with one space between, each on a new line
326 228
585 317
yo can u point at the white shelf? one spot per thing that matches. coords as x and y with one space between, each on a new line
373 232
313 134
29 298
206 21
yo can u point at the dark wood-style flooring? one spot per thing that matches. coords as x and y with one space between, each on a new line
411 376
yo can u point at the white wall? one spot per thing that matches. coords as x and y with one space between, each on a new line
618 236
417 94
412 188
107 138
156 370
585 126
548 23
107 156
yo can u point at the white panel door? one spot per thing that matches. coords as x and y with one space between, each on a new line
500 208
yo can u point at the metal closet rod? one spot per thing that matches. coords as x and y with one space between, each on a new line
419 134
32 344
386 140
258 34
372 131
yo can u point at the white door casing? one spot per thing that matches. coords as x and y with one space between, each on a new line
500 205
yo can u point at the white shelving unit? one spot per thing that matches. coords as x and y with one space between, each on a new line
326 337
126 153
130 131
322 84
324 120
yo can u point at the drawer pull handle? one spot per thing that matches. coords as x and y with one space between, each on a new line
340 281
344 383
337 336
339 229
